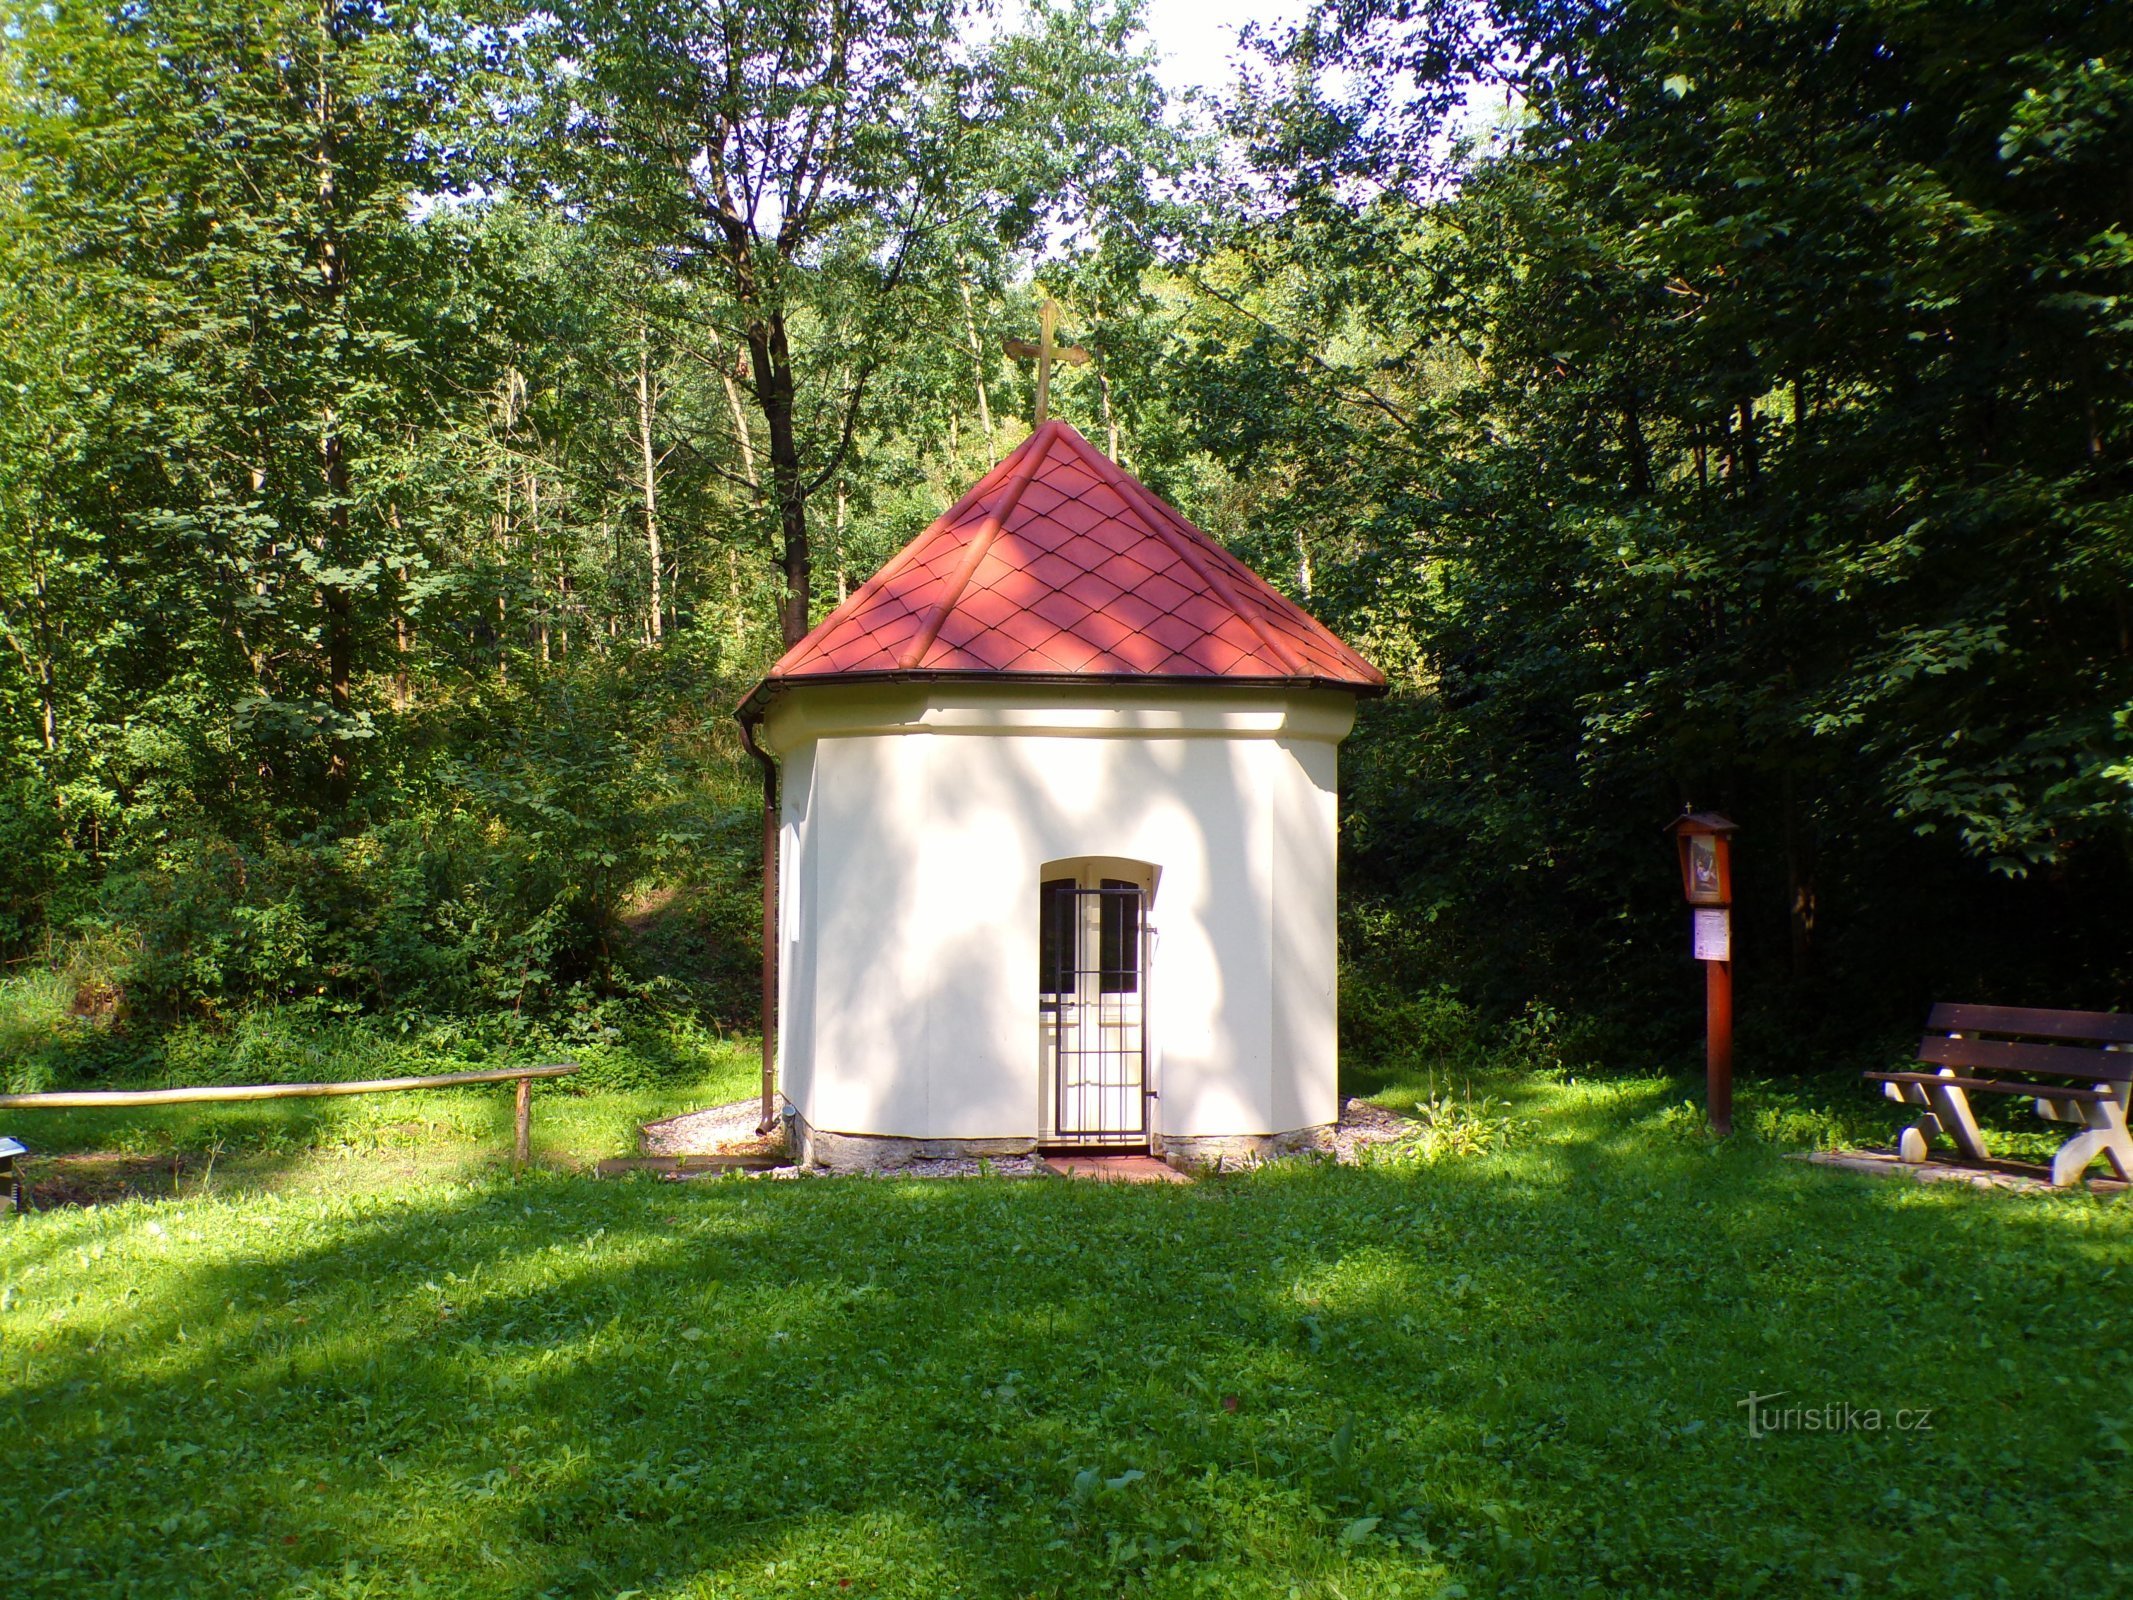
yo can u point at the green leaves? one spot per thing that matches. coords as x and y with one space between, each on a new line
1761 397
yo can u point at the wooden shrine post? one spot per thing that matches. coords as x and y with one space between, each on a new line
1704 840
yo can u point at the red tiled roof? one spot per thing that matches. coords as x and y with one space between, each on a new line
1060 564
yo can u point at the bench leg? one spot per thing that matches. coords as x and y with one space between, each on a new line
1948 1117
1915 1140
1951 1107
2106 1135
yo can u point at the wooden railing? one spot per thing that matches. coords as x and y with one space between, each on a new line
103 1099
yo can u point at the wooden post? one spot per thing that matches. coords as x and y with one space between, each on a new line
1049 321
1718 1044
1704 842
522 1147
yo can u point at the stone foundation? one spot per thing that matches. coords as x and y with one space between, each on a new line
879 1152
1243 1149
875 1152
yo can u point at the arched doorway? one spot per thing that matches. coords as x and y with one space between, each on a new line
1094 940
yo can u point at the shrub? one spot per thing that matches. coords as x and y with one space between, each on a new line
1448 1125
1400 1034
35 1018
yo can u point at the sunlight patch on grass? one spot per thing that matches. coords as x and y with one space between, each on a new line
1512 1372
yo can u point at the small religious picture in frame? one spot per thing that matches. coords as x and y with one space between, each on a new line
1703 868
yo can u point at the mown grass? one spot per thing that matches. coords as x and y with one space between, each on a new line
635 1064
1511 1371
367 1142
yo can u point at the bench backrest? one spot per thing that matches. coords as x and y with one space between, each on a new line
2031 1041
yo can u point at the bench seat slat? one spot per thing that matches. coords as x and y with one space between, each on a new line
2048 1060
2039 1091
2098 1027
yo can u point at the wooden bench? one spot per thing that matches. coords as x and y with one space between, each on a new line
2077 1066
11 1152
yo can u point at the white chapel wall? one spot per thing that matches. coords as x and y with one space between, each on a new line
913 863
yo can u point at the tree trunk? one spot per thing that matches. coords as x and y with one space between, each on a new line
340 642
335 599
977 373
41 664
650 462
403 642
533 524
403 694
837 544
47 690
564 610
742 438
1103 388
47 705
772 360
1639 452
1799 882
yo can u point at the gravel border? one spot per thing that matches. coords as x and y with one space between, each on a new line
713 1131
1363 1126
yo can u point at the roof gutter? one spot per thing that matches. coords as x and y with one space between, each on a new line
750 717
759 698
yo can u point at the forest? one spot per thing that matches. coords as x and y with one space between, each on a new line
421 422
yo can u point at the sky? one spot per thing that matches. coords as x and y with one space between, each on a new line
1197 43
1198 38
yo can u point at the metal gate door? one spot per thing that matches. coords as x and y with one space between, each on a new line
1093 948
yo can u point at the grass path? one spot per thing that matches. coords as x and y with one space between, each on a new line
1511 1373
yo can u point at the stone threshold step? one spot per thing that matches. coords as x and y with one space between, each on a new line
2023 1176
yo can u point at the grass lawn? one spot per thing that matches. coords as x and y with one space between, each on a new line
1515 1371
373 1142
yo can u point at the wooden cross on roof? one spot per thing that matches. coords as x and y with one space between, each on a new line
1044 353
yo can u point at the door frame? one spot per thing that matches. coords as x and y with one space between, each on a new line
1088 877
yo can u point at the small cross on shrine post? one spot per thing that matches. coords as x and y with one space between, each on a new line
1044 353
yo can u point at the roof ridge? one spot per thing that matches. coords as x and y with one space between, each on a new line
817 637
1151 510
1284 608
991 591
981 542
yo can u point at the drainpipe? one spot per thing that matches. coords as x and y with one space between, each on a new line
750 719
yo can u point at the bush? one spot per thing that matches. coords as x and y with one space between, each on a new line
619 1043
489 866
35 1019
1399 1034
